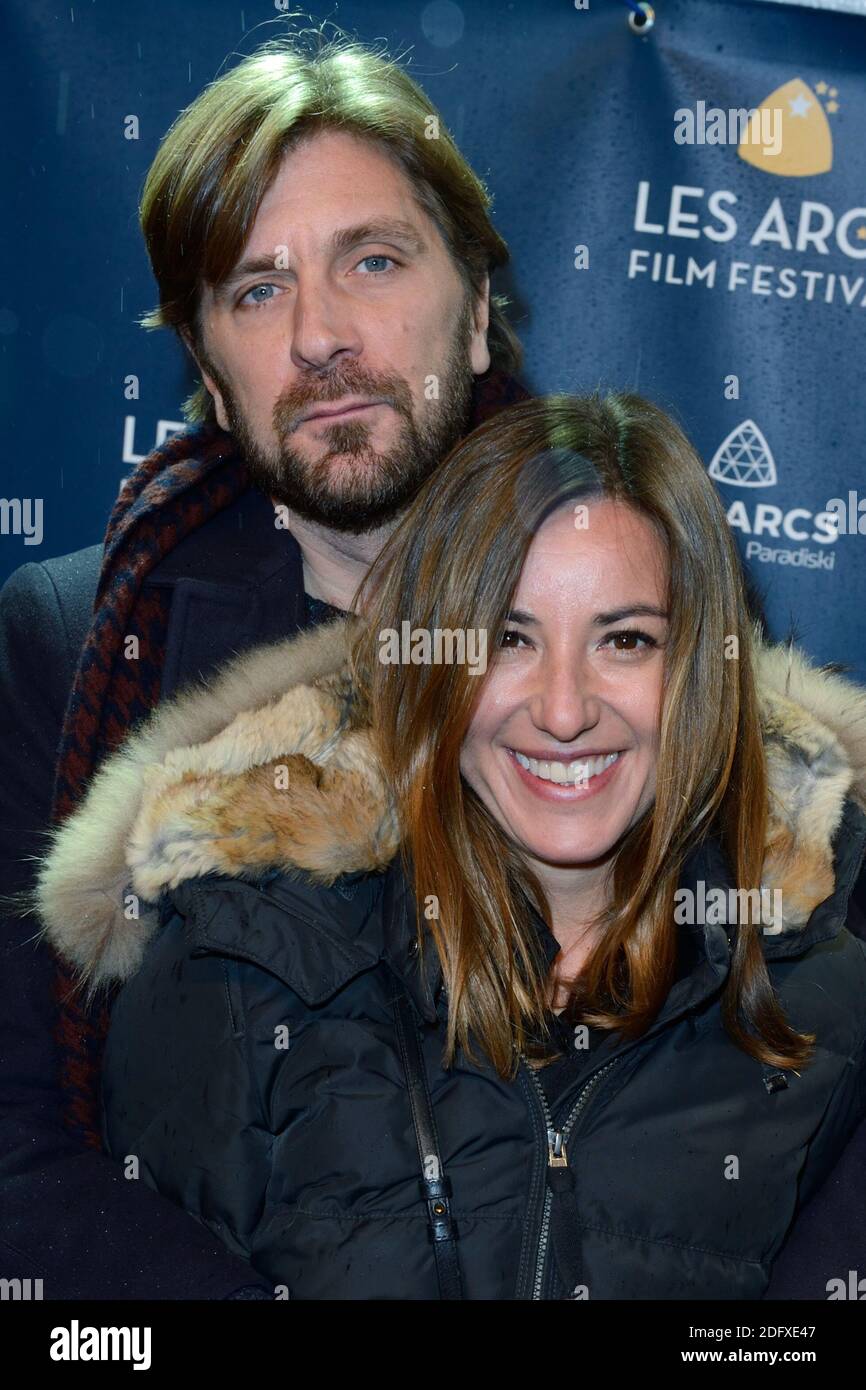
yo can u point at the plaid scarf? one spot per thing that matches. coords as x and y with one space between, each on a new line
172 492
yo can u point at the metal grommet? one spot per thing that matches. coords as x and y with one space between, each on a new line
775 1081
642 18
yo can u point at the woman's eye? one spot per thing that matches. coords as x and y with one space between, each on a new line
626 641
629 642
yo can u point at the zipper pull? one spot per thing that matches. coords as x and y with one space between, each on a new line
556 1155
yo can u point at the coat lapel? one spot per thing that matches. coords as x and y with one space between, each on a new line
236 583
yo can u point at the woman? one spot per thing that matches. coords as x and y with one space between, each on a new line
524 976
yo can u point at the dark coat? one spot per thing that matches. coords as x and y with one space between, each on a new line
67 1215
253 1066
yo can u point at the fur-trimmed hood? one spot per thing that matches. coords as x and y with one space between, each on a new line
265 766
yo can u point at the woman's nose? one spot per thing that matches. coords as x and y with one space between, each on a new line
566 700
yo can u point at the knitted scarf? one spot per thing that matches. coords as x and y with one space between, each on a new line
172 492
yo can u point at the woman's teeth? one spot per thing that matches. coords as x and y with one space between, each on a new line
577 773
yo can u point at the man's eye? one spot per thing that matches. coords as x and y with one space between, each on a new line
379 258
266 285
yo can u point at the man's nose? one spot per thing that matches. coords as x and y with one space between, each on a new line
324 326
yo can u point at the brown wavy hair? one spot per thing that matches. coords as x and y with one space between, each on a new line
454 563
219 157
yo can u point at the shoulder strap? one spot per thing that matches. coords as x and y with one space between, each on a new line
434 1185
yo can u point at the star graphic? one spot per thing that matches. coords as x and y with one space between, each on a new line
820 88
834 91
799 105
832 106
861 233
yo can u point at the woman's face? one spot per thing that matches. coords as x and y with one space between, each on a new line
563 744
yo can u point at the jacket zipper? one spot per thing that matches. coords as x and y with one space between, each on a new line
557 1156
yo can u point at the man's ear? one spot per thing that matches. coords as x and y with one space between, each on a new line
479 353
219 404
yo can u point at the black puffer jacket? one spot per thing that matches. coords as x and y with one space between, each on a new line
253 1065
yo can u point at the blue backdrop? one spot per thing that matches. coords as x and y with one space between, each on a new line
721 272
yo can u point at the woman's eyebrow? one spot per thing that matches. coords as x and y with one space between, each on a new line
615 615
631 610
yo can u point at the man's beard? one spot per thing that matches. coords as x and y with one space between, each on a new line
372 488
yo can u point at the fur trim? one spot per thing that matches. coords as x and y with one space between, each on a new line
265 767
814 727
108 862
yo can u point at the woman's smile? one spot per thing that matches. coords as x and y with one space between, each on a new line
556 779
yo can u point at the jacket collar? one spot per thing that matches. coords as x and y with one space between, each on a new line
192 793
239 545
236 582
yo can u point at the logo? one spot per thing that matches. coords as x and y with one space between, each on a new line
855 1287
708 239
421 646
806 144
739 126
77 1343
744 458
20 1288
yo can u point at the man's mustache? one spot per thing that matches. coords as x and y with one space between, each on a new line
293 408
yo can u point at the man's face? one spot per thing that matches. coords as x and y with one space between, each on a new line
344 305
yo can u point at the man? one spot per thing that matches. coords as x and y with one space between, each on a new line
324 251
308 269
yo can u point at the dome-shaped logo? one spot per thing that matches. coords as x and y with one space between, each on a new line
744 458
806 145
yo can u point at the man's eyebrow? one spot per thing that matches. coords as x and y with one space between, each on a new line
380 229
615 615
